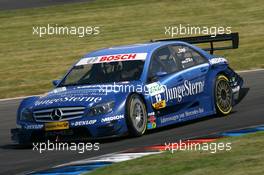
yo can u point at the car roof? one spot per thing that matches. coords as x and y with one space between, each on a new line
133 48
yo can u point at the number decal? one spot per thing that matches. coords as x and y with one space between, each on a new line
158 97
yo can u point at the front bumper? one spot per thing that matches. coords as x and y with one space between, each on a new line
81 133
28 136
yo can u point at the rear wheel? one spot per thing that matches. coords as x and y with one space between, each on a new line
136 115
223 95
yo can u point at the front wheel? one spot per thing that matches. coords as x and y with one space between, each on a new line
136 115
223 95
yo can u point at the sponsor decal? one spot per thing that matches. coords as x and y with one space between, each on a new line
187 89
151 113
152 122
155 88
152 125
112 58
84 122
217 60
180 116
187 60
108 119
118 57
152 119
52 126
181 50
37 126
68 99
160 104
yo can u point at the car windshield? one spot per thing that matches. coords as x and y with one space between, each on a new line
100 73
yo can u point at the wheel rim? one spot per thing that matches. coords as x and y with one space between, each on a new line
223 96
138 114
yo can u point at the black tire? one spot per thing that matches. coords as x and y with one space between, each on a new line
223 95
136 115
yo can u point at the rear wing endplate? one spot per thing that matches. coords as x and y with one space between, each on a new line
234 37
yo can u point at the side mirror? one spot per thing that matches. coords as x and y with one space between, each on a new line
55 82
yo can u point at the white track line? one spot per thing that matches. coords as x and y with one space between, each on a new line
22 97
17 98
252 70
112 157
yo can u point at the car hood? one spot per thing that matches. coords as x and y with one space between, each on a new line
86 96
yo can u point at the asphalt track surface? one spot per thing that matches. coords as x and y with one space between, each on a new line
249 112
20 4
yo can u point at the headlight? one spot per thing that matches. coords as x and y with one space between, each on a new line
102 108
26 115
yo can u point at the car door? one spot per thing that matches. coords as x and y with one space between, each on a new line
161 76
193 72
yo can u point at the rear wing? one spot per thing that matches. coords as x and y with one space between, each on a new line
209 39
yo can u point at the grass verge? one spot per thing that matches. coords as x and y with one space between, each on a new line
245 157
28 63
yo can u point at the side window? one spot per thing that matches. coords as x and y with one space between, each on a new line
162 61
187 57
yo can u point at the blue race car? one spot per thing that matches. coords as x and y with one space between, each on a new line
131 89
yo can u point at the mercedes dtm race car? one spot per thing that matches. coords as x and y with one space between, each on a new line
131 89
